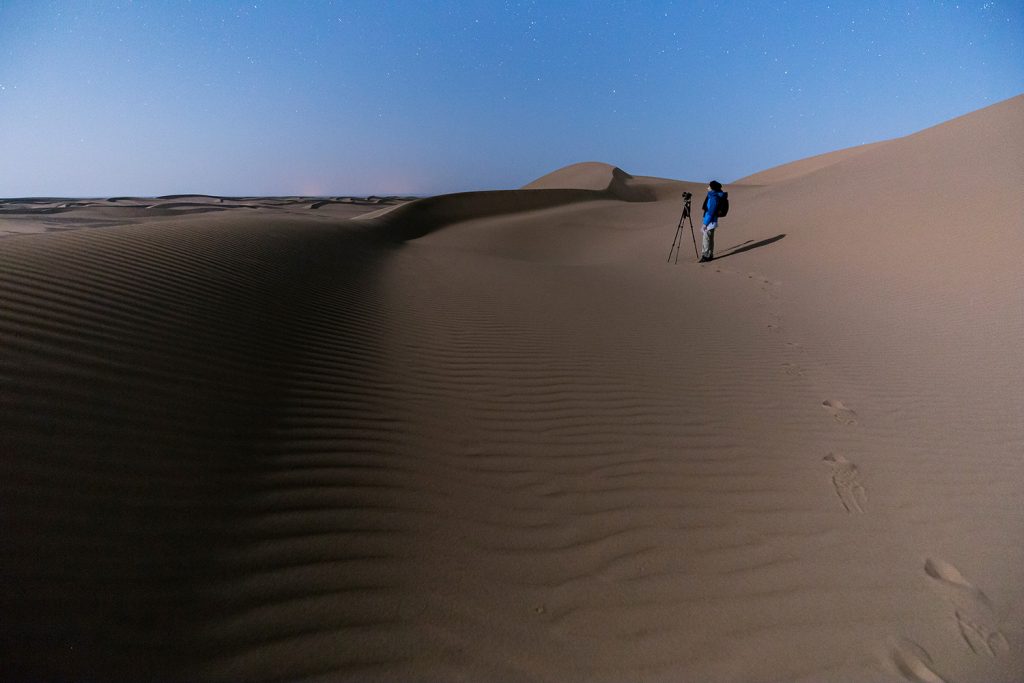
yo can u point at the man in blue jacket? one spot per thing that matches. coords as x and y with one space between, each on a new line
711 208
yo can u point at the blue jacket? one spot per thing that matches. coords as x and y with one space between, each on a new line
711 206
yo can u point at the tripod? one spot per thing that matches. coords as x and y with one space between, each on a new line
678 240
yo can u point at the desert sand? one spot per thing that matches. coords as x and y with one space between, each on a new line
495 436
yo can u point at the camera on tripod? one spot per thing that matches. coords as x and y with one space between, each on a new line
677 242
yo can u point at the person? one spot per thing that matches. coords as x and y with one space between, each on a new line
711 206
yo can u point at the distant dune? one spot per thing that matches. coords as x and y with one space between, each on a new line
612 180
495 436
33 215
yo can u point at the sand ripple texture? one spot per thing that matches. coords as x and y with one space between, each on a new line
282 450
489 437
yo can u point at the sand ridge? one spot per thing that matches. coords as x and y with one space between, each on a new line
495 436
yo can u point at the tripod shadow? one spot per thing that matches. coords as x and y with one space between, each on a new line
748 245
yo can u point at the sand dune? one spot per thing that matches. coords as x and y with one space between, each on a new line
611 180
35 215
496 437
797 169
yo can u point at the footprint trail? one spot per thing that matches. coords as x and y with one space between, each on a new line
840 413
974 613
914 662
846 479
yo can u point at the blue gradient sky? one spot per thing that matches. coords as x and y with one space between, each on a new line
359 97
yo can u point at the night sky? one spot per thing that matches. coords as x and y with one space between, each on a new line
370 97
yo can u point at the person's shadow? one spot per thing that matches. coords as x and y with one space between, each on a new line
748 245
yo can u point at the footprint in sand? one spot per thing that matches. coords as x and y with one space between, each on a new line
975 615
846 479
914 663
793 369
840 413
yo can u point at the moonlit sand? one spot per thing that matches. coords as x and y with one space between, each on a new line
496 437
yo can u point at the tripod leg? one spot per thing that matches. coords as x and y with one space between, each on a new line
675 242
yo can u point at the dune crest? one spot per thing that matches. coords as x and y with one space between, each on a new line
802 167
611 180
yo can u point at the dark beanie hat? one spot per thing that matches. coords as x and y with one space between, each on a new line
715 185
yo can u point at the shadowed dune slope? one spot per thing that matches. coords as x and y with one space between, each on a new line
496 436
421 217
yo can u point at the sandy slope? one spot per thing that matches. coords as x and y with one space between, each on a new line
494 436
